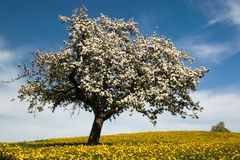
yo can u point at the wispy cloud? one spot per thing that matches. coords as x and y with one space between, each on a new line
6 66
5 56
221 105
210 47
202 49
9 58
2 42
218 11
231 14
147 21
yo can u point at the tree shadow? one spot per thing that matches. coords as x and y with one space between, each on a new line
40 144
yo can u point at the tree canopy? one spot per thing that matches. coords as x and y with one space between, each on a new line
107 67
220 127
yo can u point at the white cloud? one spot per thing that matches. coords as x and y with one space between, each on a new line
213 21
209 47
9 58
2 42
231 14
5 56
218 11
6 66
218 106
221 104
208 51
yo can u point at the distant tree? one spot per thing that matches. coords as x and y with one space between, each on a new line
220 127
107 67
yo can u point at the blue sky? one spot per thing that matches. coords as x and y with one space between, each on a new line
209 30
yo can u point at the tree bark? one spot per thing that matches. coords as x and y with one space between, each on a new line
95 131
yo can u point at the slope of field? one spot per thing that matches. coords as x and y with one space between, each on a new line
149 145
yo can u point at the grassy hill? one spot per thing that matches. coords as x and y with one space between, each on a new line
148 145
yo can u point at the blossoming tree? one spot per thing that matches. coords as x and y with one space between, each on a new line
107 67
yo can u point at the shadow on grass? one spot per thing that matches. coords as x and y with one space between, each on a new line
38 144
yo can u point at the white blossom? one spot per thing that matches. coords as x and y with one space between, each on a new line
108 66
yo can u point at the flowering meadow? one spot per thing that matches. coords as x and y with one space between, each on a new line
148 145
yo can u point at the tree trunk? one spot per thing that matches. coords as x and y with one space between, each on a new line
96 131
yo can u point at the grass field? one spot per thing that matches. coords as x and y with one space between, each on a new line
148 145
